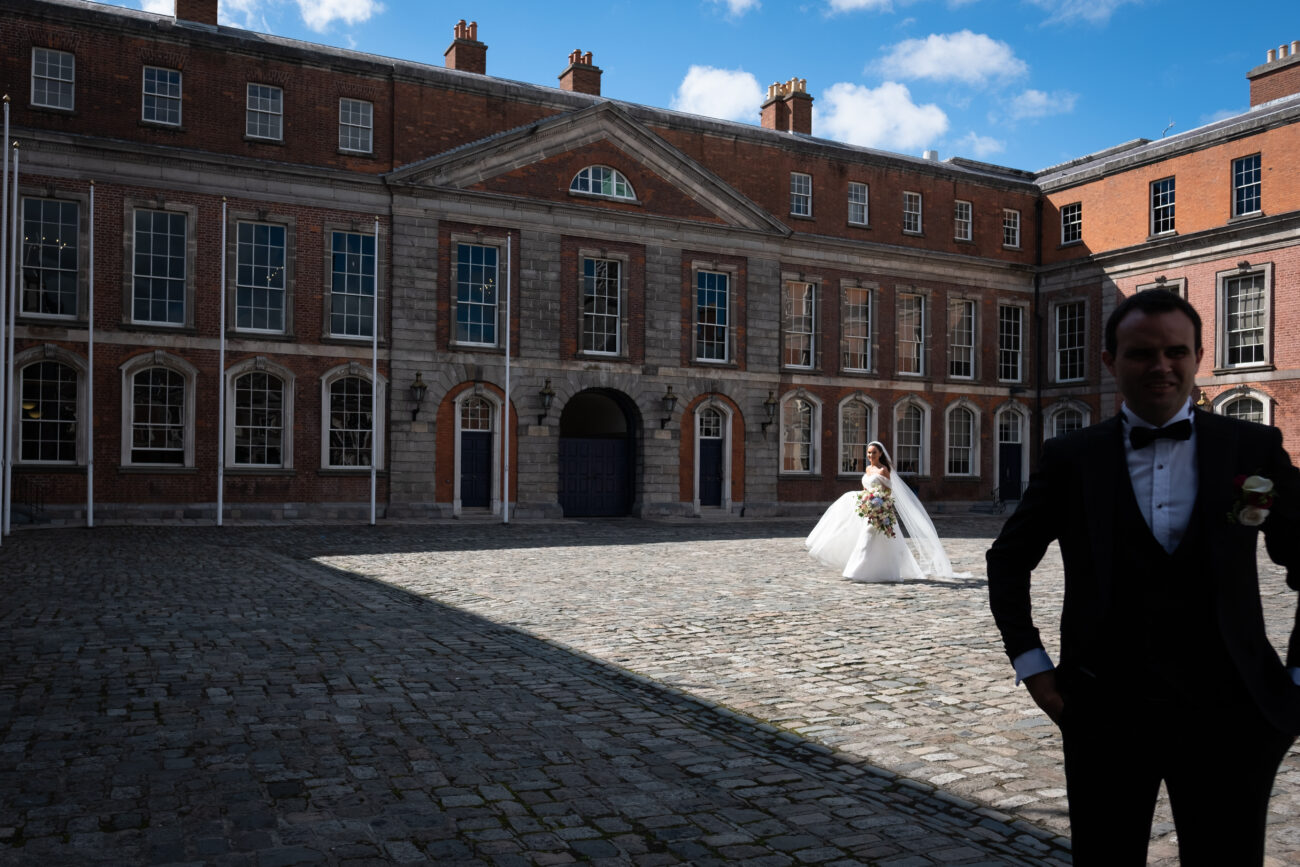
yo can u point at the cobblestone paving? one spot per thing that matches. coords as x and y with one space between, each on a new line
616 692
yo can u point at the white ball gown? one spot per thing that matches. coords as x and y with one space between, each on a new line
846 541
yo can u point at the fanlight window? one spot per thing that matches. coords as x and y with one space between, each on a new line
602 181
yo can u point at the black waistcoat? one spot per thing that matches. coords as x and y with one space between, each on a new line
1165 639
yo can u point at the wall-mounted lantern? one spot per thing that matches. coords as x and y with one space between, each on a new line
769 409
669 401
544 398
418 391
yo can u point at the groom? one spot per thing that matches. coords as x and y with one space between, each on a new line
1166 673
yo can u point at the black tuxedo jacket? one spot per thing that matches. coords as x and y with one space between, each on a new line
1070 499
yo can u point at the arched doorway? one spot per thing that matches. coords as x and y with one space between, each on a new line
597 454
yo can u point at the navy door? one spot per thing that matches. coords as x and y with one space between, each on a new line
476 468
594 476
710 472
1009 480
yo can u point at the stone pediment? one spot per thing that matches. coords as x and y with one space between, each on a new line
511 163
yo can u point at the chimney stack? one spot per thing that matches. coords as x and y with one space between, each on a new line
581 76
197 11
465 53
788 107
1278 76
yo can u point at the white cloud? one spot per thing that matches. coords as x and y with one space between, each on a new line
159 7
981 146
885 118
1035 103
729 94
736 8
1070 11
968 57
320 14
858 5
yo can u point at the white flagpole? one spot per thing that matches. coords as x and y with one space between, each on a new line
505 425
14 256
374 379
221 378
90 374
5 388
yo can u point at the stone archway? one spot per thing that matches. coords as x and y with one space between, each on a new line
598 450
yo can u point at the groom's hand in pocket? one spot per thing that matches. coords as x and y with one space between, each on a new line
1042 688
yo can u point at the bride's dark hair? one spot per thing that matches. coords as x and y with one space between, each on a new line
884 456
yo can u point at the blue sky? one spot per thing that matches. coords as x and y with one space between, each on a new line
1021 83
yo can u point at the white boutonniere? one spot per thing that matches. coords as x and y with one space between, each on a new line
1254 499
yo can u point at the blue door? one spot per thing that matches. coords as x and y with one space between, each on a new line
595 477
475 469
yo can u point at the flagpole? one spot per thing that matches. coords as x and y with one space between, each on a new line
374 383
505 425
6 438
90 374
14 256
221 378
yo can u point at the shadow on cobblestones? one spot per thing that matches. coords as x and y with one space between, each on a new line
226 696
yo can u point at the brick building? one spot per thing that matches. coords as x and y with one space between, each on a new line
681 314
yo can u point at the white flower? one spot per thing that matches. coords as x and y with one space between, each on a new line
1252 516
1257 485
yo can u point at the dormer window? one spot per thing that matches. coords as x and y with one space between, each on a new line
602 181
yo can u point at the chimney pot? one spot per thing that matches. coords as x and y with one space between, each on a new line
581 76
1271 56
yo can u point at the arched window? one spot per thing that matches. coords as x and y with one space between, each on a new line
476 414
602 181
259 420
48 413
855 432
158 417
909 440
350 422
710 424
1245 408
798 417
1066 420
961 442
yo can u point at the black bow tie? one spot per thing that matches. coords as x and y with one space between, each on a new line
1141 437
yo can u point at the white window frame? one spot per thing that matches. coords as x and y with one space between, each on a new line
604 182
477 392
264 107
869 338
1055 410
364 272
379 421
799 329
728 275
189 375
1059 348
800 194
286 287
161 97
973 447
1019 349
1011 228
923 457
814 428
962 220
956 349
60 80
79 271
1164 199
1021 413
913 213
620 300
859 204
921 354
1241 181
1072 223
1224 317
1221 402
497 244
844 454
189 215
57 354
260 364
356 125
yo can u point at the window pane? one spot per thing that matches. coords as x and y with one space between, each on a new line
711 307
476 294
158 268
158 417
1071 341
857 329
961 338
260 277
1246 186
1010 343
907 455
50 230
796 436
350 422
798 314
48 413
259 420
601 316
911 334
855 433
1246 308
352 284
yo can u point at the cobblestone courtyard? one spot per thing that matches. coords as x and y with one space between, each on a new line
617 692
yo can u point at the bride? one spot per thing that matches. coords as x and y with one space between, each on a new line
862 532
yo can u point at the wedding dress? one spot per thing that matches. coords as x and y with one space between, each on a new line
846 541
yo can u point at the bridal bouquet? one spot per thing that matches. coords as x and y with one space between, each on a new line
877 506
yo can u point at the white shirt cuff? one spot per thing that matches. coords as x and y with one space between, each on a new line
1037 661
